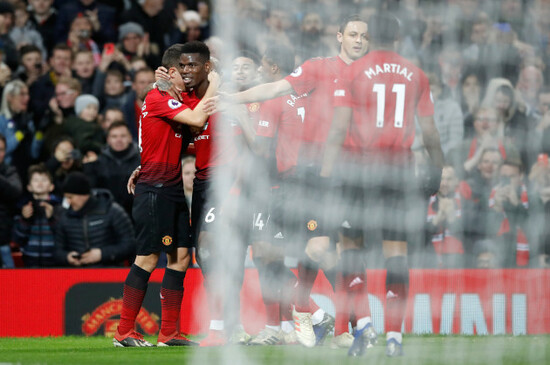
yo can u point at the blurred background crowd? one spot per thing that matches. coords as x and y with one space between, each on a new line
74 72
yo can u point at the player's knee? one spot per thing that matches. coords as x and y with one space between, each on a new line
148 262
180 260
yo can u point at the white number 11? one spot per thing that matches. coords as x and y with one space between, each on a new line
380 90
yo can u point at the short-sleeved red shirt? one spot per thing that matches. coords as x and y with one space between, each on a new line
386 92
161 141
317 78
282 120
214 145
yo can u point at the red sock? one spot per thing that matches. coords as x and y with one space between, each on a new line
272 313
171 295
287 299
135 288
307 274
341 304
396 303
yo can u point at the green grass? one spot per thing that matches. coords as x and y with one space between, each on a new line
418 350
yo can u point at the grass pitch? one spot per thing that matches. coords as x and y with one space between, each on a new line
418 350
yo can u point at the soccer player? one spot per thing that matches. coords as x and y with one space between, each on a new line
375 106
316 77
160 212
278 125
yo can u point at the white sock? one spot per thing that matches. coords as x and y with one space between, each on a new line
318 316
217 324
287 326
362 322
395 335
275 328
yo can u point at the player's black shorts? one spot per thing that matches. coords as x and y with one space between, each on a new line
378 199
161 224
276 217
218 208
311 202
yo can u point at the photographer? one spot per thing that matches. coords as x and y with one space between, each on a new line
64 159
508 212
35 224
539 179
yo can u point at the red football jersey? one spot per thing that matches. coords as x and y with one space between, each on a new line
317 77
282 120
386 91
214 145
160 143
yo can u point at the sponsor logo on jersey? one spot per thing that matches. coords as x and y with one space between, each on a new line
174 104
339 92
263 123
253 107
166 240
312 225
297 72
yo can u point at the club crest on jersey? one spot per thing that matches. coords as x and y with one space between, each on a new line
297 72
166 240
312 225
253 107
174 104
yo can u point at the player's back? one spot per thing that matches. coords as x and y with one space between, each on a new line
386 91
317 78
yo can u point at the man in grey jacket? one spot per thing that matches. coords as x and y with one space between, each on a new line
95 230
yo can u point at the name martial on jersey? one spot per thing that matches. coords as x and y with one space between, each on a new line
394 68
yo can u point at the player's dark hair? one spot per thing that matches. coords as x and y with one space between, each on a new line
62 47
349 19
39 169
197 47
282 56
247 54
172 56
383 29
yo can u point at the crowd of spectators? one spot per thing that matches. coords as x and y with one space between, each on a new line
73 76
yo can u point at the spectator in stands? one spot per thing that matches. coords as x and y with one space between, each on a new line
132 107
189 27
509 205
115 164
513 13
24 141
31 67
133 42
23 33
111 115
64 159
44 88
61 106
444 221
486 254
488 134
84 70
539 139
539 213
529 84
447 116
80 38
10 190
84 127
502 96
9 50
101 16
44 17
94 231
35 224
155 18
278 24
450 66
472 89
480 184
310 38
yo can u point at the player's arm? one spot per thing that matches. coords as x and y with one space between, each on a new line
336 137
197 117
258 93
432 143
